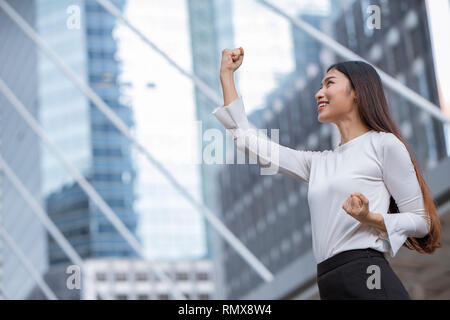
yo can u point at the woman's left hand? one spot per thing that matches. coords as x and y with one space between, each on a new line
357 206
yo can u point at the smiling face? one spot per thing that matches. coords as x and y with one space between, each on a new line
338 95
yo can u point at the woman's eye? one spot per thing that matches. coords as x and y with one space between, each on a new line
329 82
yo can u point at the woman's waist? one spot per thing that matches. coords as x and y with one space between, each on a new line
344 257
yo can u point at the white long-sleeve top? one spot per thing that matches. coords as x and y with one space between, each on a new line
376 164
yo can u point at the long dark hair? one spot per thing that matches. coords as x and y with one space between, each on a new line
375 113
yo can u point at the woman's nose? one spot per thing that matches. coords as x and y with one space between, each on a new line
319 95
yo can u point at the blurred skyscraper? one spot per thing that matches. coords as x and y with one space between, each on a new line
170 228
81 33
270 214
211 31
401 48
20 149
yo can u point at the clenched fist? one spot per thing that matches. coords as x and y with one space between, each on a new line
231 60
357 206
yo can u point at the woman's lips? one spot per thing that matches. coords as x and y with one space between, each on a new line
322 107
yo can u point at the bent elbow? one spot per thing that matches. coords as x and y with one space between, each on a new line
424 228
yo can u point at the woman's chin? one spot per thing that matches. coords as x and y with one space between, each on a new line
322 119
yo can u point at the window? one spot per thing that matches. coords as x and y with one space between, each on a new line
182 276
108 177
422 83
104 127
350 28
104 152
202 276
141 276
94 8
116 202
399 55
416 39
121 276
101 276
106 228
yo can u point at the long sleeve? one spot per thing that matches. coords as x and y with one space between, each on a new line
290 162
401 181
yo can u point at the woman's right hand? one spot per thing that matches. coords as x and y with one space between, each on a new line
231 60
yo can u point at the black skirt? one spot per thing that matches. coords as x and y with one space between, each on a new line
359 274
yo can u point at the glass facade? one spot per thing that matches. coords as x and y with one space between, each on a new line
210 23
82 132
170 228
19 148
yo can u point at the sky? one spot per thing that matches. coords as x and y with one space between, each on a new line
439 24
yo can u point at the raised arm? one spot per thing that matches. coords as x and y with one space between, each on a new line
287 161
231 61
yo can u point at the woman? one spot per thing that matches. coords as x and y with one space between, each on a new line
352 188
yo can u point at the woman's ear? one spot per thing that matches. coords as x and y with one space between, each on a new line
355 98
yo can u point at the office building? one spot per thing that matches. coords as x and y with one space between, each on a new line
87 138
20 149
